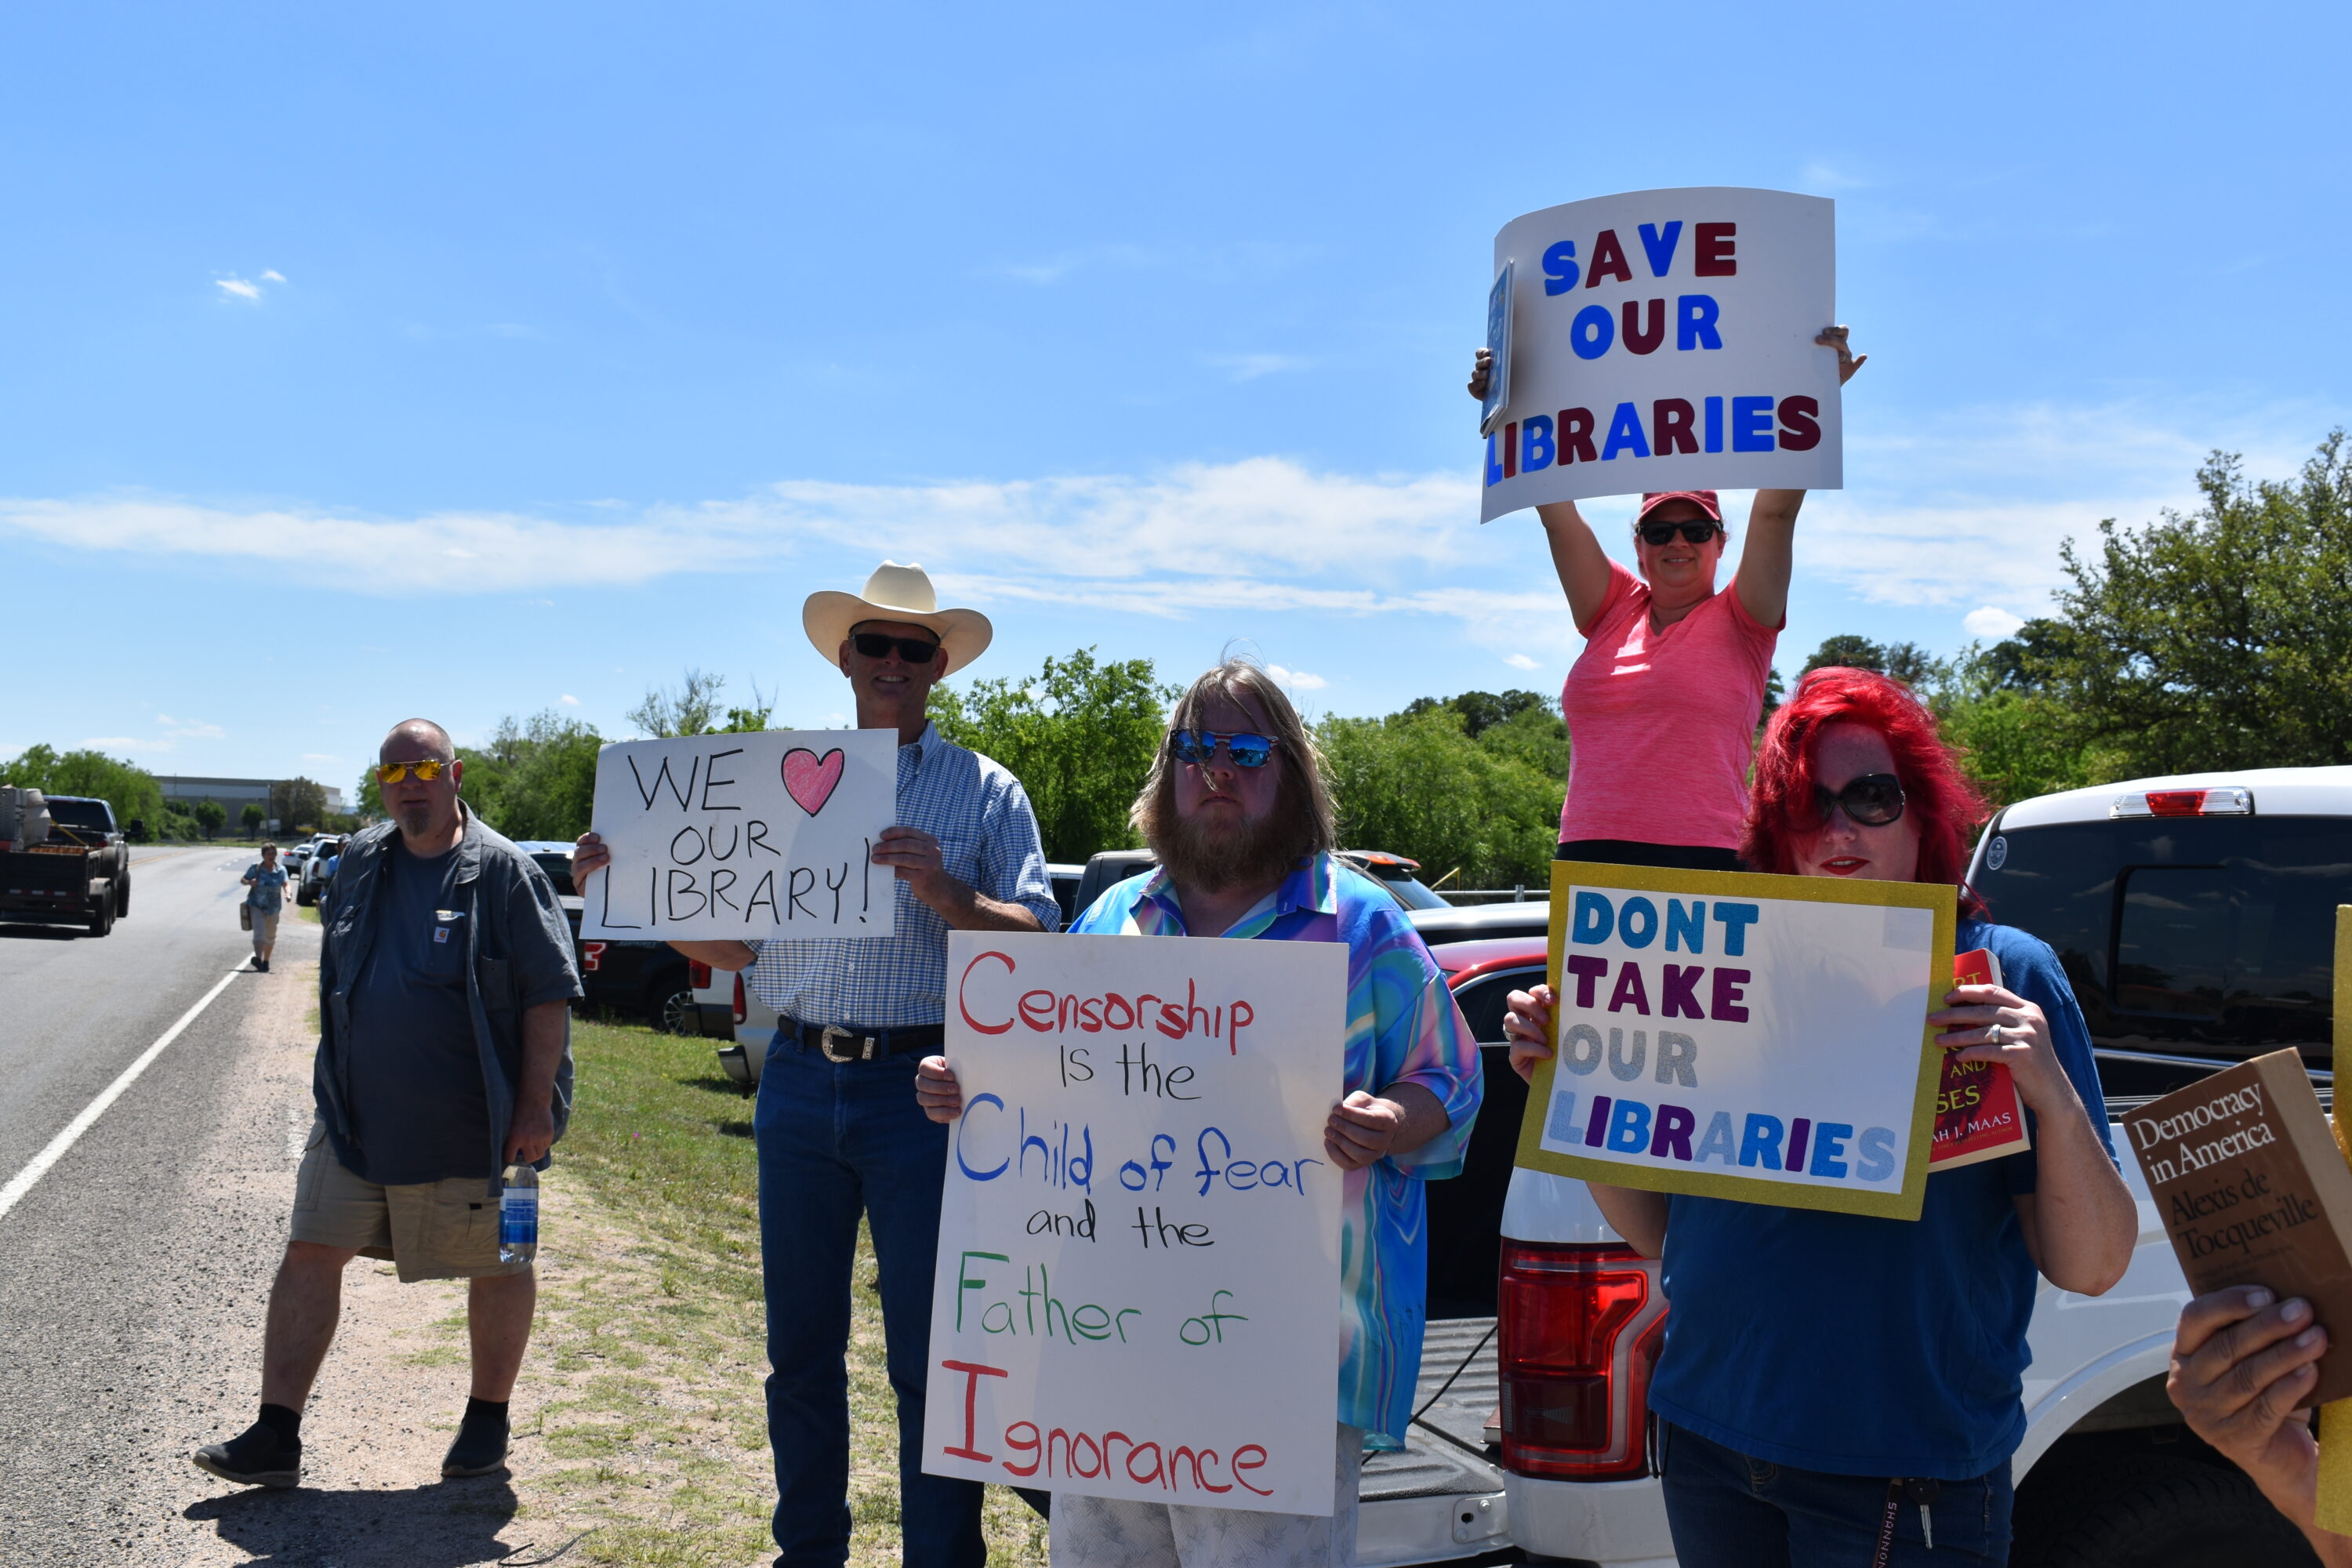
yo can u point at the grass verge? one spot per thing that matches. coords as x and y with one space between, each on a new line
654 1328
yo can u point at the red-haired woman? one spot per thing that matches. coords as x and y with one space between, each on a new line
1824 1375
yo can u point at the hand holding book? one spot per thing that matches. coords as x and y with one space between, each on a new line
1991 1023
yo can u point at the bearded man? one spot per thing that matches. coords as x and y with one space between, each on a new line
1236 811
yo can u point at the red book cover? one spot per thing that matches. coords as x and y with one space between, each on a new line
1978 1116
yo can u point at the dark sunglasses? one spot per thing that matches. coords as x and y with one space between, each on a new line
1197 746
877 645
1696 532
1872 800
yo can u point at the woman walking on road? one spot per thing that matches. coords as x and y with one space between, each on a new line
267 881
1661 704
1835 1383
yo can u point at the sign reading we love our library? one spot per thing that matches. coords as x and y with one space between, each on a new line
1664 341
1138 1292
1746 1036
765 837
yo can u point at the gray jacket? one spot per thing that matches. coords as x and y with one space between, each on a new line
508 903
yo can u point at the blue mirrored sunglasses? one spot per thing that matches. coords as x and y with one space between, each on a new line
1197 746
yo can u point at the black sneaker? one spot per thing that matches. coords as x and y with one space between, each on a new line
257 1457
480 1447
262 964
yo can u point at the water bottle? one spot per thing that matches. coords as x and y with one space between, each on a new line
519 1216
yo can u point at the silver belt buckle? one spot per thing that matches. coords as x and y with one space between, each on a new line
835 1032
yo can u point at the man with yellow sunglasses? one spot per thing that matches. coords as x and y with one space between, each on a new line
444 986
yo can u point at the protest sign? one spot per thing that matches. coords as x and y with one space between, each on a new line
765 837
1664 341
1138 1282
1744 1037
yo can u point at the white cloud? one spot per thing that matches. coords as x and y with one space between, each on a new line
1990 622
273 276
569 701
239 287
120 743
1521 661
1249 368
1296 680
320 757
190 729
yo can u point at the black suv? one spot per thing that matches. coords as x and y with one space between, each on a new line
642 979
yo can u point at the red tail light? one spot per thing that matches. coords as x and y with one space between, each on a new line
740 1009
592 955
698 975
1581 1327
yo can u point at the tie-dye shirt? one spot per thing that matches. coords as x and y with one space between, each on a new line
1403 1028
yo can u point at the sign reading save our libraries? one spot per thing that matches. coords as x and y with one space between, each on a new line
1743 1036
1663 341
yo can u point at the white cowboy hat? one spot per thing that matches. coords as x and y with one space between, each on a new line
896 592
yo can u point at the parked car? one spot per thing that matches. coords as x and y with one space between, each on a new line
2195 918
648 980
1398 877
1065 881
315 875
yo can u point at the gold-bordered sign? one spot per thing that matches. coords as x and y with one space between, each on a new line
1769 1045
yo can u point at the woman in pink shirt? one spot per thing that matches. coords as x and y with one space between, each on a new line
1661 705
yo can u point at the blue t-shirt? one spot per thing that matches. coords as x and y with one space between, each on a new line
1864 1346
268 890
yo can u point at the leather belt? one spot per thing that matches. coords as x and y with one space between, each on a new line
838 1043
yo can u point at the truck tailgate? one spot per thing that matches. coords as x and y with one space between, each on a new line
1441 1496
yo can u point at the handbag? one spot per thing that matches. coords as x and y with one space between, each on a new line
245 916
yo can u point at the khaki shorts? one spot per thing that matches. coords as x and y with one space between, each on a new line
265 930
432 1230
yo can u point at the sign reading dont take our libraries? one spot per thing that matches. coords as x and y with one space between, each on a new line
765 837
1664 341
1738 1035
1139 1284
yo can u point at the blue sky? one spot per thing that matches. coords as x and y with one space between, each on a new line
473 361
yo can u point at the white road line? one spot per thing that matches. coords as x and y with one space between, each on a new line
38 1166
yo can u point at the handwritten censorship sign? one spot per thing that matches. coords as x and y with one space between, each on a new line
1139 1274
1743 1036
765 837
1664 341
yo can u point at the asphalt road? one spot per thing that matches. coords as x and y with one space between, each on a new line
115 1270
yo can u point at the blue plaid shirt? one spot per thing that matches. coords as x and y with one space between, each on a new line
988 836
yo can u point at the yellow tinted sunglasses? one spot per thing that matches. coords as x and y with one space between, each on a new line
393 772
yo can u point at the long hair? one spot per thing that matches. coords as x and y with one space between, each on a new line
1783 807
1304 809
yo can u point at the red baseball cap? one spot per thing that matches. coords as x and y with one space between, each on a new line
1703 499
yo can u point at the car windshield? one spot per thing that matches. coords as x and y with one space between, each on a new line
87 813
2186 936
1400 884
558 871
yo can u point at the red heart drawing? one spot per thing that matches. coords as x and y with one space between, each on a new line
809 778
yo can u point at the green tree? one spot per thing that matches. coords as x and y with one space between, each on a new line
210 815
1906 662
2016 741
1080 736
253 816
535 780
693 710
297 804
1476 813
131 790
2221 639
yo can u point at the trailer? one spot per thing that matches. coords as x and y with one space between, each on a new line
71 872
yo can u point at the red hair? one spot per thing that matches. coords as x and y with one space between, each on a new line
1782 808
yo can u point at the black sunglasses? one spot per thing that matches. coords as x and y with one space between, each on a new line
1698 530
878 644
1872 800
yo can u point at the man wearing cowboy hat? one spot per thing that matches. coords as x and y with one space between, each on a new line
837 1125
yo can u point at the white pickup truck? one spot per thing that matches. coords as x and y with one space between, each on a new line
2195 917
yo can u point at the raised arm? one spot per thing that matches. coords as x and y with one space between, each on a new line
1576 553
1767 556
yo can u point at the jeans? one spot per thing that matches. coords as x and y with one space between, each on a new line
833 1139
1728 1511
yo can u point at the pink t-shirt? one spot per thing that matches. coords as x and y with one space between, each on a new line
1661 725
